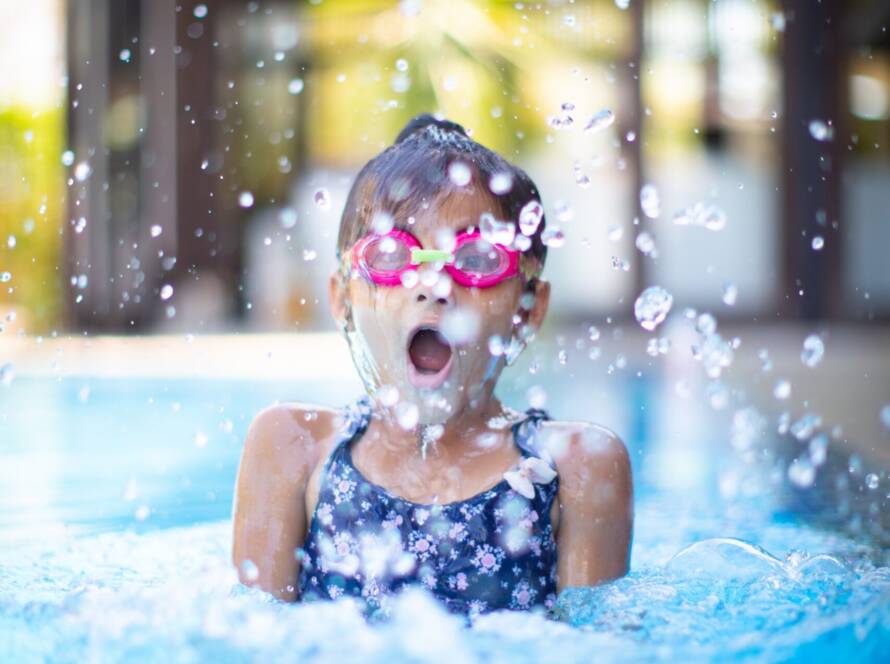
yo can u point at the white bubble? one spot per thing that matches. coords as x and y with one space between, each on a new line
459 173
820 130
872 481
382 222
460 326
537 396
782 389
156 230
200 439
622 4
522 242
496 232
818 243
249 570
651 307
646 244
309 255
801 472
885 415
125 55
295 86
245 199
200 11
553 237
407 415
496 345
402 64
530 217
142 512
600 120
730 294
322 198
650 201
7 374
166 292
67 158
288 217
82 171
706 324
593 333
11 241
501 183
409 278
388 395
813 350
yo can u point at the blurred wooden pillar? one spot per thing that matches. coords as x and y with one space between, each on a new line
814 71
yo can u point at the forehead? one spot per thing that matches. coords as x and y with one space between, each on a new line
455 210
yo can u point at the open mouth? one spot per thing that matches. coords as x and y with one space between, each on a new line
429 356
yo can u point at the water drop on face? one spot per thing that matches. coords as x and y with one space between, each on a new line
322 199
249 570
382 222
649 201
156 230
496 232
409 278
500 183
652 306
522 242
295 86
818 243
407 415
813 350
388 395
820 130
245 199
459 173
166 292
530 217
460 326
601 120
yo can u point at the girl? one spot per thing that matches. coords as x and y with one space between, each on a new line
430 479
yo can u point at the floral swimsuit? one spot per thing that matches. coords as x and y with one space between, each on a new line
494 550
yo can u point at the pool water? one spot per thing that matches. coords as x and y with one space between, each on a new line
115 543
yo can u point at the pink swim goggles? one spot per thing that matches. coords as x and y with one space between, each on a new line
384 258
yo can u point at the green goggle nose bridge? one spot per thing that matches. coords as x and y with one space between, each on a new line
419 256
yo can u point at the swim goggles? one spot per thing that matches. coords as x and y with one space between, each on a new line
384 258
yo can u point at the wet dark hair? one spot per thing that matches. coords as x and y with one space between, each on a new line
413 173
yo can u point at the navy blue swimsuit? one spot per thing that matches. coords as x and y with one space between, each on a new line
492 551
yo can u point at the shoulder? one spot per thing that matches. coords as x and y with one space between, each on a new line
291 436
588 457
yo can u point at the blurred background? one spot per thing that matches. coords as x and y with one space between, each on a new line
173 174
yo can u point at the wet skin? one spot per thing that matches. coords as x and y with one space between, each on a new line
287 444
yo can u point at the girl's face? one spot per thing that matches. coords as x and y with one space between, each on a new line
428 346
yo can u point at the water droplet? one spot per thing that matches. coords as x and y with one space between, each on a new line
522 242
593 333
287 217
402 64
322 199
249 570
409 278
67 158
649 201
600 120
125 55
820 130
885 415
708 216
872 481
496 232
622 4
782 389
818 243
156 230
200 11
82 171
651 307
730 294
245 199
5 276
530 217
166 291
495 345
777 20
200 439
553 237
459 173
388 395
460 326
536 396
801 472
7 374
309 255
407 415
646 244
295 86
501 183
11 241
806 426
813 350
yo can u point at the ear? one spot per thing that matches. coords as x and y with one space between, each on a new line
337 297
542 302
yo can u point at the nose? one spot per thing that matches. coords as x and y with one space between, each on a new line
434 286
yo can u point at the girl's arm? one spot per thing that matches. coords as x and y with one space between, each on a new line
596 506
269 516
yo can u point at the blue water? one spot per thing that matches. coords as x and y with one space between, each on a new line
115 535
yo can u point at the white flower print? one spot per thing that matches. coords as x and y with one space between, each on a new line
458 581
422 545
335 591
458 531
421 515
488 559
523 595
342 488
393 520
477 606
325 514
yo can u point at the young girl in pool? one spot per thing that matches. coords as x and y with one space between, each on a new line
430 479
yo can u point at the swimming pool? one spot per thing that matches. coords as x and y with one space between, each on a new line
115 534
